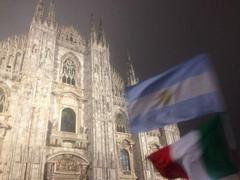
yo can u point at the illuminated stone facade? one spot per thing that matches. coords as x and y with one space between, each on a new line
62 111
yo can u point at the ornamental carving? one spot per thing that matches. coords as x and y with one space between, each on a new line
71 38
126 144
2 100
34 49
154 133
67 165
153 146
4 95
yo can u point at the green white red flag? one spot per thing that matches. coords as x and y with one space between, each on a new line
200 155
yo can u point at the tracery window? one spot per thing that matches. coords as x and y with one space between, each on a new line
124 158
120 123
69 72
2 100
68 120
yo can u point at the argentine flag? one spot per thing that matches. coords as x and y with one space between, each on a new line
182 93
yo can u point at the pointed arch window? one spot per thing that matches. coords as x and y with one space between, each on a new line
68 120
69 72
2 100
120 123
124 158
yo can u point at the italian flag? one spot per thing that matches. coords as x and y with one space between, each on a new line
199 155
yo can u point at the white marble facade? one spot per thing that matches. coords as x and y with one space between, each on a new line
62 111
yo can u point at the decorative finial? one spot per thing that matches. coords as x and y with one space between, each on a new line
93 33
101 33
51 14
131 77
39 11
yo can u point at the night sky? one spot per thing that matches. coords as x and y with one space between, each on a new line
157 33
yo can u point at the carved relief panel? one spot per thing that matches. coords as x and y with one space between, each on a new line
66 166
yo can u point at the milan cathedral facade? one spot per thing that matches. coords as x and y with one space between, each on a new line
62 110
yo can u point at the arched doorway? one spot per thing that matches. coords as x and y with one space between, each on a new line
66 166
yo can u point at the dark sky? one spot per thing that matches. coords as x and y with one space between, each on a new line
158 34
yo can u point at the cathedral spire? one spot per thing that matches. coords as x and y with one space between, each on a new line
39 11
93 33
131 77
51 13
101 34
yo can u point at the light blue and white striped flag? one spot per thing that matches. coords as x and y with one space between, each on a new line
182 93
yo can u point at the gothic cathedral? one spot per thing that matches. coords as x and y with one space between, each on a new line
62 110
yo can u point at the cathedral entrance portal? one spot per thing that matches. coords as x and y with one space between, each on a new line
66 167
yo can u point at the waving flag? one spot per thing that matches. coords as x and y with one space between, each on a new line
182 93
199 155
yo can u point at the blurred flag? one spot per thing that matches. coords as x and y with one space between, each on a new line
182 93
200 155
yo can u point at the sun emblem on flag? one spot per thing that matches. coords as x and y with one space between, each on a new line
165 97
